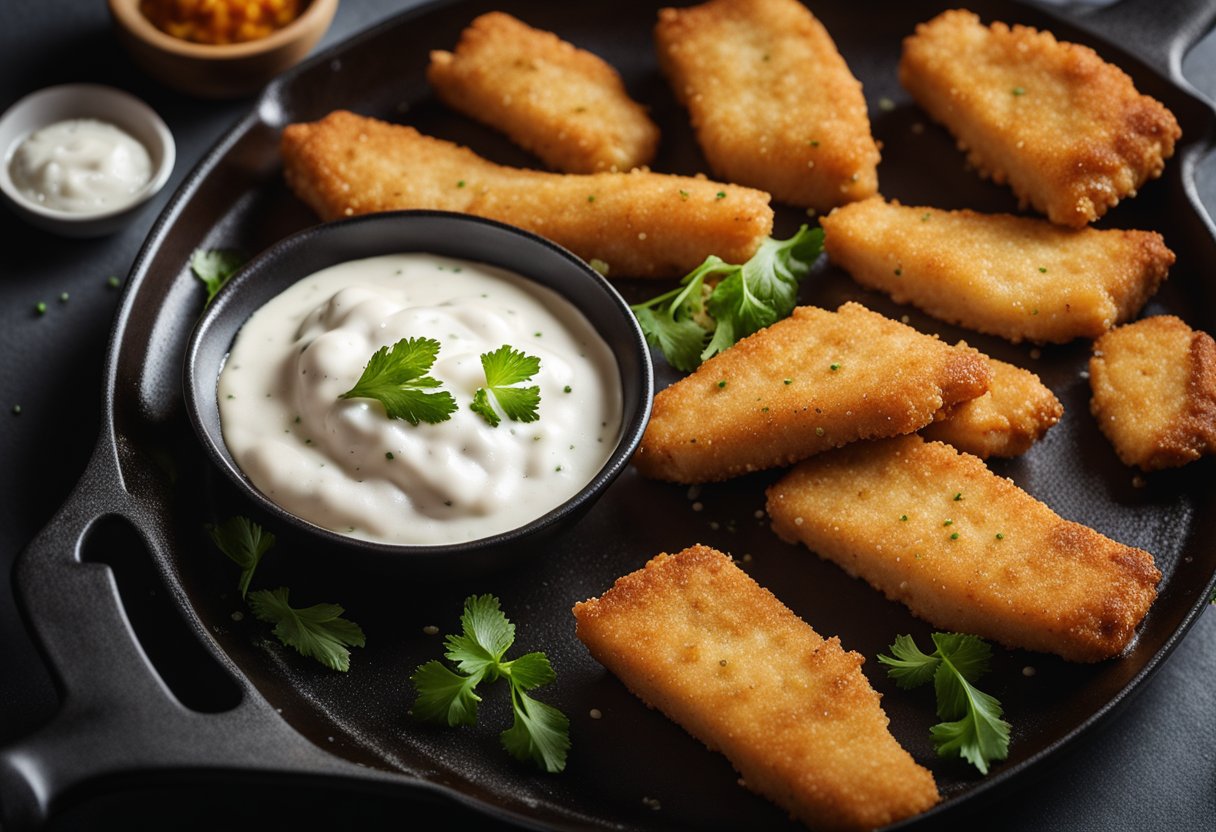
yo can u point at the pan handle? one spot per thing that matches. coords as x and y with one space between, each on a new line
1158 33
117 717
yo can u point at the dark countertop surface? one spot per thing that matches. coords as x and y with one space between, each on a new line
1152 766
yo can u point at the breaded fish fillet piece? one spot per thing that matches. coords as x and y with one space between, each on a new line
1017 277
640 224
773 103
964 549
1154 392
561 103
694 636
1014 414
1066 130
814 381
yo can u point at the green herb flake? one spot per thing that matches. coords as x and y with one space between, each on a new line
722 383
1043 269
903 517
954 536
898 271
720 195
503 368
16 410
683 194
834 367
1000 536
1019 91
63 297
389 455
958 496
40 307
591 197
814 142
948 523
460 183
113 282
397 378
539 732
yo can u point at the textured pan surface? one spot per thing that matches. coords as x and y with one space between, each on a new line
237 199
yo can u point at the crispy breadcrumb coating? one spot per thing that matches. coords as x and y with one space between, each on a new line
1065 129
1014 414
694 636
964 549
640 224
1154 392
773 103
814 381
1017 277
561 103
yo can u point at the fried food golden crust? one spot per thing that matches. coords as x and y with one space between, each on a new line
1016 277
561 103
976 553
814 381
1154 392
694 636
1012 276
773 103
640 224
1066 130
1014 414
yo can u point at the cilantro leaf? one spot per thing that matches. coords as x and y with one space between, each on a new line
688 327
980 735
531 670
215 267
444 696
503 367
974 729
910 668
486 635
396 377
539 732
318 632
244 542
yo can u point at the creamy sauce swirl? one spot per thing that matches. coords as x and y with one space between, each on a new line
344 465
80 166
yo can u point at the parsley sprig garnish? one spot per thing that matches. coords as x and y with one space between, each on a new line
540 732
397 378
318 632
215 267
244 542
702 317
973 728
504 367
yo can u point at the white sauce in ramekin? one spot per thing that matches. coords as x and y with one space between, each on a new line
80 166
344 465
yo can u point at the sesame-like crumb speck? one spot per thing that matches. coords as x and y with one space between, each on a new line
1028 671
595 713
431 630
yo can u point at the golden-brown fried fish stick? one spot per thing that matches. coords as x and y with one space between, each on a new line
1017 277
773 104
814 381
964 549
1066 130
640 224
1014 414
1154 392
563 104
694 636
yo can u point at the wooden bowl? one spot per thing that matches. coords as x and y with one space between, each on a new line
219 71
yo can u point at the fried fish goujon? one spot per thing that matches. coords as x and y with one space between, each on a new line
1017 277
565 105
694 636
1014 414
1154 392
964 549
814 381
773 104
641 224
1065 129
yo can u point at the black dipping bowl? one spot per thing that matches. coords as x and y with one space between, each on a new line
452 235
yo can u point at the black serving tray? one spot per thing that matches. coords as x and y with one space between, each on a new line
233 700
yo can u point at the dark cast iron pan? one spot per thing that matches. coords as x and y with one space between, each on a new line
134 609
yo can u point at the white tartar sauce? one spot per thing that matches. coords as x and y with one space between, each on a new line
80 166
344 465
